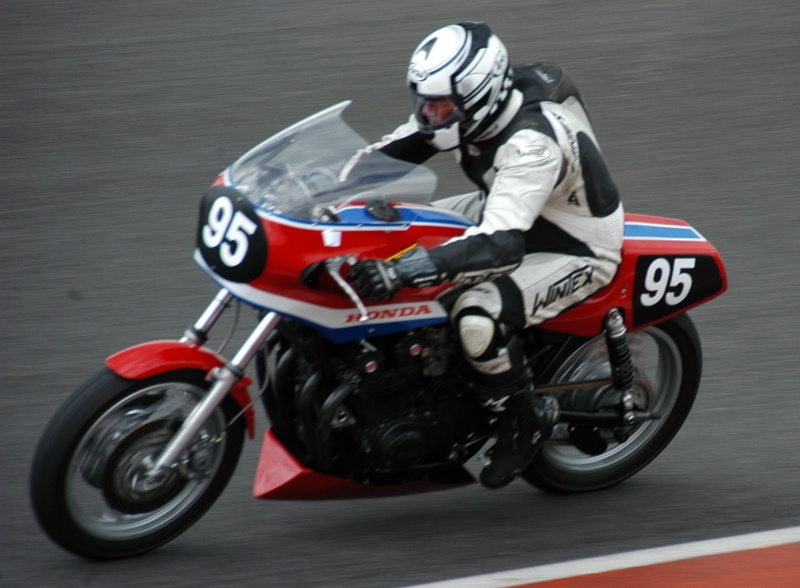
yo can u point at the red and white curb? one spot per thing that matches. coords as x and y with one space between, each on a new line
625 561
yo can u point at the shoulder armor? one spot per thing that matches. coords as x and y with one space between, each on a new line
544 82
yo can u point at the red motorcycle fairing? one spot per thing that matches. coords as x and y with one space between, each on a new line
157 357
281 477
667 268
294 245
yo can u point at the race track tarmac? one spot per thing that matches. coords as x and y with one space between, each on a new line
116 116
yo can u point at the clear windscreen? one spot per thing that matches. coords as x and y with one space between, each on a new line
320 164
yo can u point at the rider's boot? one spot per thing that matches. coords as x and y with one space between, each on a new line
526 422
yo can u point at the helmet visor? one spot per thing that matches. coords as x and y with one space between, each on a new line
434 113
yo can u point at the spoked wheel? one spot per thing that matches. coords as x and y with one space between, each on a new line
667 361
88 484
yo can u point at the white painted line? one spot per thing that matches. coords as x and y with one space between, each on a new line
621 561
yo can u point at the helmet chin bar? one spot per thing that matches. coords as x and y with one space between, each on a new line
446 139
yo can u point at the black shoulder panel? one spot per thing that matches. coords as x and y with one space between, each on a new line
601 191
544 81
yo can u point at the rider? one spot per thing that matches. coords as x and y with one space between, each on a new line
548 217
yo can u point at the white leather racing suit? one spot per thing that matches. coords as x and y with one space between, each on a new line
549 222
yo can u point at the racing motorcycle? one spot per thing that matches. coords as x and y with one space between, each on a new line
364 398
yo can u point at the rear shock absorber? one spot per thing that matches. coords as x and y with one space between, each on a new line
619 353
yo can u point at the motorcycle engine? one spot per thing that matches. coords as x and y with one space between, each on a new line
411 414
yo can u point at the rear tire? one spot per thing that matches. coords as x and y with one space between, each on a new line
86 484
668 356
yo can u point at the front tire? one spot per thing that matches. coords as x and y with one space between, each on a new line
87 488
667 359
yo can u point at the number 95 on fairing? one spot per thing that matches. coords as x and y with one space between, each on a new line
667 284
230 236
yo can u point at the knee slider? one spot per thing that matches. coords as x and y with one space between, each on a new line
477 333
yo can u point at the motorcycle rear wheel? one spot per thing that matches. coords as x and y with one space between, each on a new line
87 488
668 357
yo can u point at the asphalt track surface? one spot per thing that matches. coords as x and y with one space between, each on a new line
114 118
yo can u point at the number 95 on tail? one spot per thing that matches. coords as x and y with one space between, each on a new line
665 284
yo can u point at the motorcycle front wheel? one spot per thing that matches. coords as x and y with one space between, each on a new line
87 484
667 361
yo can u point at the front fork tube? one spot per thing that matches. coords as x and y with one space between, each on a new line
224 378
198 332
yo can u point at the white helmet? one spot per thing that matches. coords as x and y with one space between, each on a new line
460 80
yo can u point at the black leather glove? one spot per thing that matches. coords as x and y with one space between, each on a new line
379 280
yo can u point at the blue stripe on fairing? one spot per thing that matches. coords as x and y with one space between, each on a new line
668 232
356 216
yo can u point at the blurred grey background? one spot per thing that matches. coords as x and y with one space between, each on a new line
115 117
